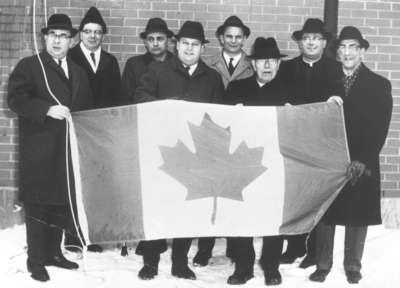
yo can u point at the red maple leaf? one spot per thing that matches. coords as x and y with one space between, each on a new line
212 171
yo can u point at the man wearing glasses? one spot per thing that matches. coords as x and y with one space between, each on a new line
101 67
105 81
311 77
367 103
43 186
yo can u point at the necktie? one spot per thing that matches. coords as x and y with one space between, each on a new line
93 59
187 68
231 68
62 69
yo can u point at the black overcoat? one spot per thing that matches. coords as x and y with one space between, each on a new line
367 110
249 93
170 80
106 82
310 84
134 69
42 165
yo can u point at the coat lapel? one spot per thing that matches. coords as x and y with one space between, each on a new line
241 67
74 80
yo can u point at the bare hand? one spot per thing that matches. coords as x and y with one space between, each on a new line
355 170
335 99
59 112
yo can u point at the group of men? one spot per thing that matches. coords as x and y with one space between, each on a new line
87 77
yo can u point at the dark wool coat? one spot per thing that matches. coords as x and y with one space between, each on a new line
367 110
42 166
134 69
170 80
310 84
249 93
106 82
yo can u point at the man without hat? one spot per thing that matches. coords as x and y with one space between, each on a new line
43 184
311 77
261 89
367 111
231 63
155 39
105 81
183 77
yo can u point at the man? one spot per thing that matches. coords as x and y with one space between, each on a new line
184 77
311 77
105 81
155 39
262 89
101 67
231 63
43 186
367 110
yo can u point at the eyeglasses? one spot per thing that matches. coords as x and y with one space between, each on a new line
62 36
350 48
95 32
311 38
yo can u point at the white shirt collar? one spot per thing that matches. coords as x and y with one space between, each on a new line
192 68
64 65
235 60
311 62
87 52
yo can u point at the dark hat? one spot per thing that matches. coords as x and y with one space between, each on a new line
93 16
351 32
156 25
59 21
192 29
312 25
265 48
233 21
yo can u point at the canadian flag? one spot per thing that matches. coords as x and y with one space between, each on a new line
171 169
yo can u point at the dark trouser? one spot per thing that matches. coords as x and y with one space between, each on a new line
242 254
298 245
151 250
44 228
353 246
206 245
271 252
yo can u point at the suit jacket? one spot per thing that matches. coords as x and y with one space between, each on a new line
367 110
134 69
243 68
106 82
42 166
248 92
170 80
310 84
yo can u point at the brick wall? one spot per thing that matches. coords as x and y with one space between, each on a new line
379 20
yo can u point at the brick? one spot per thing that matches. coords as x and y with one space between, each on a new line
194 7
389 14
220 8
345 21
124 13
240 2
388 185
79 3
378 22
110 4
389 31
389 49
392 176
351 5
151 14
364 13
378 6
165 6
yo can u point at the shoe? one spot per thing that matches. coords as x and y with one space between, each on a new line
353 277
148 272
200 259
239 278
272 278
94 248
183 272
38 272
288 258
319 275
308 261
61 262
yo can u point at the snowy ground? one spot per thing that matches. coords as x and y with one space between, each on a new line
110 270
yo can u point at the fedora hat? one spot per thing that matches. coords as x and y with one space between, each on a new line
312 25
192 29
156 25
93 16
351 32
233 21
265 48
59 21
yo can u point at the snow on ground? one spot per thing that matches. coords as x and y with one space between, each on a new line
110 270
